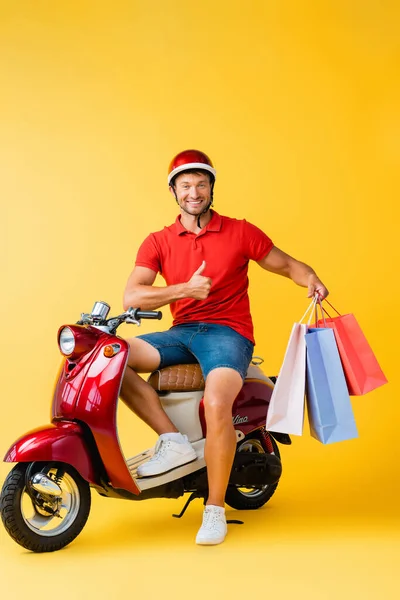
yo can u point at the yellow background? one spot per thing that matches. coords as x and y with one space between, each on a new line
297 103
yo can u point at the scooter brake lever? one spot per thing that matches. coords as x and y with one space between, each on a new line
133 321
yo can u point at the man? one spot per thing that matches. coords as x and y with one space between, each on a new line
203 258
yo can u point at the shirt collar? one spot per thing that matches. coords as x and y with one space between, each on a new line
213 225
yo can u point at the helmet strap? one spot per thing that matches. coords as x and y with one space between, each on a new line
207 208
176 197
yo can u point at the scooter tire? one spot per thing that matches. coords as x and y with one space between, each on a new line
252 499
16 525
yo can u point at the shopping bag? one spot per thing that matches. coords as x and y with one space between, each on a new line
361 368
329 407
286 406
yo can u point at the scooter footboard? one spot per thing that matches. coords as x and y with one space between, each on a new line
59 442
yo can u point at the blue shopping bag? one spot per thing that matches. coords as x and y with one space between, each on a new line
328 402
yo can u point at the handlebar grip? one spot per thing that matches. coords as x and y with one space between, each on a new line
149 314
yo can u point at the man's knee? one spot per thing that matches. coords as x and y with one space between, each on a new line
216 410
143 357
223 385
221 389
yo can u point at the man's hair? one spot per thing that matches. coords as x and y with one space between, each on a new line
193 172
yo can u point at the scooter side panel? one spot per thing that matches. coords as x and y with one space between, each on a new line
60 442
183 410
250 408
68 385
251 405
97 406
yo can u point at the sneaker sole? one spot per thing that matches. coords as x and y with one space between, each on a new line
210 543
187 462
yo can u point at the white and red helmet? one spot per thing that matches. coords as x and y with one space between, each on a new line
190 159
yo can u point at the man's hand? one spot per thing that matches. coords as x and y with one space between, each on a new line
316 287
198 287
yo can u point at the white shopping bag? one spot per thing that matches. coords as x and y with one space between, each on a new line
286 407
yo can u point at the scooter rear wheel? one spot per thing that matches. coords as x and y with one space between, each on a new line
28 522
252 498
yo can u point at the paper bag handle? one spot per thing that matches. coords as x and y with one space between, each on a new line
318 302
336 311
310 308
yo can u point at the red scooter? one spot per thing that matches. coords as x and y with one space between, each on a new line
45 500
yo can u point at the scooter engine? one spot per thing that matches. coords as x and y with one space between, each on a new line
254 470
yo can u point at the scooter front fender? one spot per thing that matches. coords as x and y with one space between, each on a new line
59 442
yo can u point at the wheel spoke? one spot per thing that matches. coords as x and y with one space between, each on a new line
39 521
66 500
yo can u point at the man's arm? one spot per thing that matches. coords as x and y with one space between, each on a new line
141 293
281 263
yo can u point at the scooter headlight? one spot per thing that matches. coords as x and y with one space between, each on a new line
66 341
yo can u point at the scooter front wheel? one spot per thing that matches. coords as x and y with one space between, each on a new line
40 520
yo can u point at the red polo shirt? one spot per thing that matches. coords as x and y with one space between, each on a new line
226 245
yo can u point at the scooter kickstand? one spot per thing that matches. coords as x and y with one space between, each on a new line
192 497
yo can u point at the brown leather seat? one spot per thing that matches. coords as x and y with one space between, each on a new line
178 378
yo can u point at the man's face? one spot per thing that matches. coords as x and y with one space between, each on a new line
193 192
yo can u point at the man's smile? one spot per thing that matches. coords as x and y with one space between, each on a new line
195 203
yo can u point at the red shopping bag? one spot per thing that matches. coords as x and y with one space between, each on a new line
362 371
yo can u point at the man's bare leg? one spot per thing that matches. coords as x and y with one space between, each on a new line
137 394
222 387
172 449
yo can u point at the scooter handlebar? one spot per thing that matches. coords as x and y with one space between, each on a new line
136 313
148 314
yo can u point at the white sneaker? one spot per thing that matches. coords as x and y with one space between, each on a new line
214 528
167 456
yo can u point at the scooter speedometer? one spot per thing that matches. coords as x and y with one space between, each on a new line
66 341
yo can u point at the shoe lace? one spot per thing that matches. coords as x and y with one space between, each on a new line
211 520
160 449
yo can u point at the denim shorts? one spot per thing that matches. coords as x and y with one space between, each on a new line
212 346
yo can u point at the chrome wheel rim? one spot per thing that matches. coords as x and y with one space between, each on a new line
50 525
252 445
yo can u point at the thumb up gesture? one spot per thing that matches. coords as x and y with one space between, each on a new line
198 286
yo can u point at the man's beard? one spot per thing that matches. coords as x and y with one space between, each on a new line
196 214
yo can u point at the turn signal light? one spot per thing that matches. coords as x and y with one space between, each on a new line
111 350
